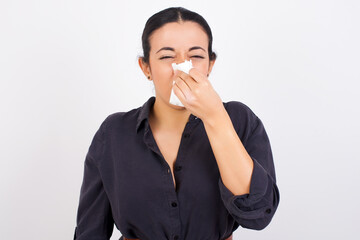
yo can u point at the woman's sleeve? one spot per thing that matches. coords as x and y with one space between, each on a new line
256 209
94 218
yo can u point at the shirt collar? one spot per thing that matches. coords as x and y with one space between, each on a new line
145 111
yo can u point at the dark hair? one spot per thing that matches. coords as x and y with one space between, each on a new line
173 14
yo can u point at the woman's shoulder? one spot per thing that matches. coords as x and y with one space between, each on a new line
122 120
134 114
238 108
123 116
242 116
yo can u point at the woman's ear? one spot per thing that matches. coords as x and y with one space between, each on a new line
211 64
145 68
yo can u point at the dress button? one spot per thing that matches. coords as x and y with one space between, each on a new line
268 210
186 135
176 237
174 204
178 168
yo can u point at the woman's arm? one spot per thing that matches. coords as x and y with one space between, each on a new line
233 160
94 217
247 183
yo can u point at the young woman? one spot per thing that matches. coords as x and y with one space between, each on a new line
163 171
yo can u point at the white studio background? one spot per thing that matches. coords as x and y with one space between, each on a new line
66 65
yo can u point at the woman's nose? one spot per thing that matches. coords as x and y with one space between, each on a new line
181 59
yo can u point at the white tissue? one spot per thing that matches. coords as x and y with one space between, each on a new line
185 67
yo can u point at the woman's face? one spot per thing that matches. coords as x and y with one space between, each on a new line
174 43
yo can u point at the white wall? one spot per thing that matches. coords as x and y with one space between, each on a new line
66 65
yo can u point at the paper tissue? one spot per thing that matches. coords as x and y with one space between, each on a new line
185 67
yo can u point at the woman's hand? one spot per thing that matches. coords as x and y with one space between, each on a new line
197 95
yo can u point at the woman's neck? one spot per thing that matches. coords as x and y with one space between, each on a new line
164 117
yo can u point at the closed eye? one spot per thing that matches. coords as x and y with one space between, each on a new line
197 56
166 57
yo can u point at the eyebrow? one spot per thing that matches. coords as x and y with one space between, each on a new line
172 49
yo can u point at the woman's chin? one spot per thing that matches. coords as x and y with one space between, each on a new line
176 106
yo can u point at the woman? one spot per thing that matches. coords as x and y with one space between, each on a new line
163 171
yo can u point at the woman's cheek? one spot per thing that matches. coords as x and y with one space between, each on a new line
164 73
166 69
201 66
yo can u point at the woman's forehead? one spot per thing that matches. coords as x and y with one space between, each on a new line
179 35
